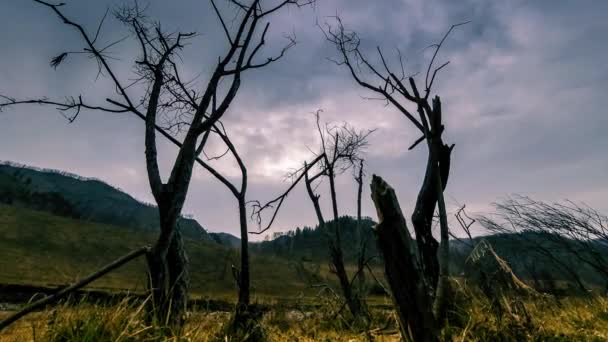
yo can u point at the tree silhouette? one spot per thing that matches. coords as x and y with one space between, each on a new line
158 76
394 91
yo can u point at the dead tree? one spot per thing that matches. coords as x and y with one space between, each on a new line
403 272
393 90
361 241
560 232
243 279
167 94
340 149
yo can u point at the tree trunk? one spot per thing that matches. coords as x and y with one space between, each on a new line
169 277
410 293
438 165
179 279
158 279
361 242
353 301
443 153
244 277
439 305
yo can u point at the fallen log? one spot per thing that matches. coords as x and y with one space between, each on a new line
83 282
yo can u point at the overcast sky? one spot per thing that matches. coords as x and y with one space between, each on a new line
523 100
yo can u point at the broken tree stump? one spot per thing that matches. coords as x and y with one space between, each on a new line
410 294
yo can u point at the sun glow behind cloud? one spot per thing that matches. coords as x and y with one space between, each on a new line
523 99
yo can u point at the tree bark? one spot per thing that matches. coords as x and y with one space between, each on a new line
360 240
168 262
443 158
439 305
409 291
179 279
353 301
169 277
422 218
434 183
244 277
335 250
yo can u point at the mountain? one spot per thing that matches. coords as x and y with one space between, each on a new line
41 249
312 243
226 239
541 259
87 199
39 204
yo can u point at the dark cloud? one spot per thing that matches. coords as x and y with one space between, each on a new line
523 98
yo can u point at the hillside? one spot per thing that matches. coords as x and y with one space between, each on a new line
73 196
43 249
311 243
540 257
59 226
226 239
527 253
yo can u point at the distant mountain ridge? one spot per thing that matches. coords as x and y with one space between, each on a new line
523 251
92 200
89 199
15 165
312 243
226 239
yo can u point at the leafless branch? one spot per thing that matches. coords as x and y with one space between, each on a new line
276 202
437 47
574 229
70 104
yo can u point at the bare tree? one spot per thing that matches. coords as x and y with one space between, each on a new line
394 91
361 240
166 93
340 150
560 232
243 273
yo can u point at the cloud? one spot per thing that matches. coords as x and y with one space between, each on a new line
523 100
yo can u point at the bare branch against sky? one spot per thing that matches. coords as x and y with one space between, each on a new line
526 86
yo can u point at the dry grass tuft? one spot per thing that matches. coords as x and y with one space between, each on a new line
472 318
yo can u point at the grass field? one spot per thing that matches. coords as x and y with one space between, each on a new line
540 319
47 250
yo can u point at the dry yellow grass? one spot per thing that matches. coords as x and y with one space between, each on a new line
125 323
540 319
